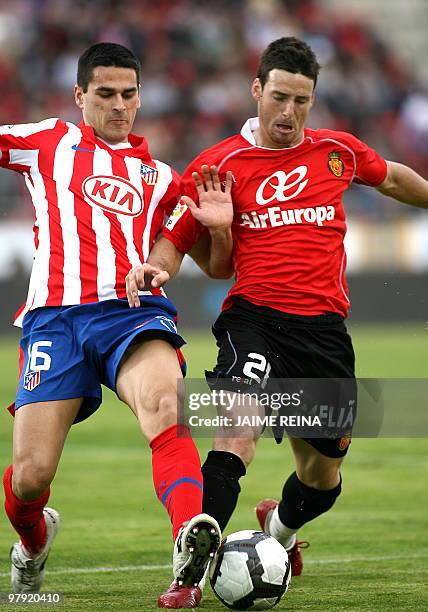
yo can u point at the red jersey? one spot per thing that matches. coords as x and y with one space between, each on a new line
98 208
289 221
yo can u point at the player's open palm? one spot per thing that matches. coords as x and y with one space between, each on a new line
214 209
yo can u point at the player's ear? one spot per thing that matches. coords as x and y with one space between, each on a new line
256 89
78 96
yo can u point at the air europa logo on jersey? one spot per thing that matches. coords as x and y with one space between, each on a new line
282 186
275 216
114 194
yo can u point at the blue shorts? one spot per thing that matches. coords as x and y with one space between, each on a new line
69 351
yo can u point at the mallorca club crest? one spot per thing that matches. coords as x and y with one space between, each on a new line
335 164
344 442
149 174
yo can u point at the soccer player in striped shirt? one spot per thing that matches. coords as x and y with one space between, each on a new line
100 200
284 316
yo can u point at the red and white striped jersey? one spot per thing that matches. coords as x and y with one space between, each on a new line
289 220
98 209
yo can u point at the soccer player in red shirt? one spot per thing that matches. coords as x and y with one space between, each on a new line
100 200
284 316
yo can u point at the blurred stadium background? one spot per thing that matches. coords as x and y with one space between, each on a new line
199 58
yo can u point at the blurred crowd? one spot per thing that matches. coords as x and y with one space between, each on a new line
199 58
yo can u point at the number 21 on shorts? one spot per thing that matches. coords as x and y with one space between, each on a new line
258 365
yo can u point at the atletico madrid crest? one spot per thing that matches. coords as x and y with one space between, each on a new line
335 163
149 174
31 380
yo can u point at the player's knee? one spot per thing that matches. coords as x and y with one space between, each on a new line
244 448
167 409
156 411
318 471
31 479
326 479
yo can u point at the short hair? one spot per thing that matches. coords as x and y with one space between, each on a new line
290 54
105 54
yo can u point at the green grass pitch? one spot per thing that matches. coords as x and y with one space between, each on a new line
113 551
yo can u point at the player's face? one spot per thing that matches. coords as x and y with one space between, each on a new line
283 106
110 103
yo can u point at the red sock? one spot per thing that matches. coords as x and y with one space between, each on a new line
177 475
26 516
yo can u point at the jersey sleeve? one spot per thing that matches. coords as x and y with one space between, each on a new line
17 142
370 167
182 229
172 194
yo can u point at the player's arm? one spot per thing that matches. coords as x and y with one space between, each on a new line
163 263
405 185
214 211
213 254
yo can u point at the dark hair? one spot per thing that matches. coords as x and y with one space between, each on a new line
290 54
105 54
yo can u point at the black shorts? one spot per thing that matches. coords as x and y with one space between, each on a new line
257 344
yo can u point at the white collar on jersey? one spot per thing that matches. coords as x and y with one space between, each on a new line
248 129
250 126
118 145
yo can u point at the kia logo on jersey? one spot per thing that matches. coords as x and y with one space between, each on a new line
282 186
113 194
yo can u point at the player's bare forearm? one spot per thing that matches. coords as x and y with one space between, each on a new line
213 253
220 263
165 256
405 185
163 263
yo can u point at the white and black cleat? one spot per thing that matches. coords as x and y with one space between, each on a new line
195 546
28 570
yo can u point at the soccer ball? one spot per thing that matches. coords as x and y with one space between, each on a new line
251 571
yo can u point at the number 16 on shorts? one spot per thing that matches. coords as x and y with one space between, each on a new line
38 360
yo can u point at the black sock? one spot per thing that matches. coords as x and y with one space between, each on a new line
221 471
301 503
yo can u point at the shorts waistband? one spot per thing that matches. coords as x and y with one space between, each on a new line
329 318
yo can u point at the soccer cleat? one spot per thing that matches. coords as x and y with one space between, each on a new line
195 546
179 596
28 571
264 510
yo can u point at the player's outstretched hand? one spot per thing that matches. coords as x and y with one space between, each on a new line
143 277
214 209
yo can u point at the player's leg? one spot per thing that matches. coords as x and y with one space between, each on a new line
148 383
225 464
242 365
320 349
39 433
55 384
316 484
141 362
308 492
